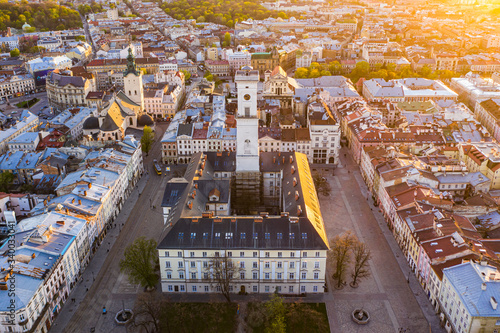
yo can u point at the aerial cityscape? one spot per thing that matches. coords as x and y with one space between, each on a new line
250 166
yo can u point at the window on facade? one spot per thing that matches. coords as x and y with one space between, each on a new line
292 276
191 254
182 288
304 275
254 264
193 264
315 289
193 276
242 275
181 264
266 289
254 289
193 288
279 276
280 264
181 275
316 276
267 254
266 276
302 289
179 254
169 275
316 264
255 275
206 289
167 264
170 288
255 254
204 254
266 264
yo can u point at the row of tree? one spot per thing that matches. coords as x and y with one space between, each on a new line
44 16
221 12
362 69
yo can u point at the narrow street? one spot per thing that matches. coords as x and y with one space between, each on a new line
111 287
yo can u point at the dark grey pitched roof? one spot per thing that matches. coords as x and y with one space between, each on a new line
185 129
273 161
224 161
64 80
243 233
173 191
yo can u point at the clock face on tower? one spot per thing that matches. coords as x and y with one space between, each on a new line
246 97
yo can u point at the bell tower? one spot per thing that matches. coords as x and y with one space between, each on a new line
247 137
132 79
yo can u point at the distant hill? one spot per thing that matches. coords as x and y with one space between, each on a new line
219 11
42 16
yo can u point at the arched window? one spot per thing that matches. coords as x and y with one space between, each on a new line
129 92
130 122
135 92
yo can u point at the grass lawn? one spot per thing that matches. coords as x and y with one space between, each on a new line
310 317
201 317
27 104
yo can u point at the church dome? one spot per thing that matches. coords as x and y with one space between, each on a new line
145 120
26 26
91 123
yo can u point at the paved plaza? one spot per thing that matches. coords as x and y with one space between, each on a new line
392 302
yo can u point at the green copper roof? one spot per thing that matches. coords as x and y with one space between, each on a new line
131 68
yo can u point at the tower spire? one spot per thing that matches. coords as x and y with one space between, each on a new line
131 67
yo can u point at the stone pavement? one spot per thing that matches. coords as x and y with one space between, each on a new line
88 277
102 283
386 295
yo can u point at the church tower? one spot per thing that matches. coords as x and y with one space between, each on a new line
132 80
247 139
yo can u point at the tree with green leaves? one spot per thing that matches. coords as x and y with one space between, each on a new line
302 73
15 53
140 262
209 76
187 75
335 67
361 255
362 69
276 310
339 256
6 179
80 38
227 39
304 318
147 139
222 272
